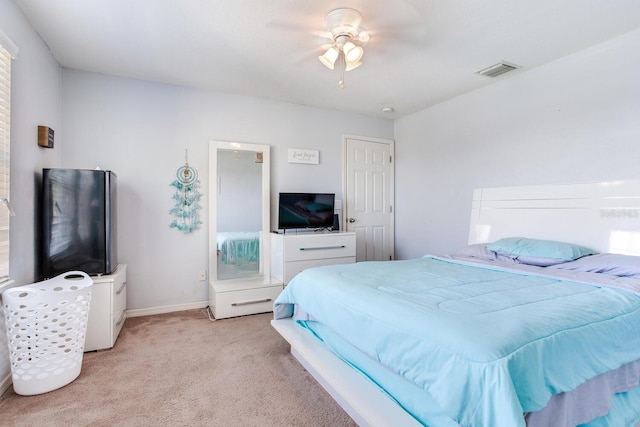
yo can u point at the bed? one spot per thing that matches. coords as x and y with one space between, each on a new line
494 335
239 247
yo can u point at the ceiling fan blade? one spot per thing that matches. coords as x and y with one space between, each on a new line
406 24
315 36
412 35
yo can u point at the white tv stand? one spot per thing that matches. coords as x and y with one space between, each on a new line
292 253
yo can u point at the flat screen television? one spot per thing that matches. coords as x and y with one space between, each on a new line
305 210
78 222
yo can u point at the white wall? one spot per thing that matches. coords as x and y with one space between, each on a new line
35 100
141 129
574 120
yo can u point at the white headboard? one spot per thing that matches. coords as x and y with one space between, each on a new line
604 216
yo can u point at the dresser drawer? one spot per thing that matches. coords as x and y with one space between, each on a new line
119 314
119 295
248 301
321 246
117 321
294 267
108 309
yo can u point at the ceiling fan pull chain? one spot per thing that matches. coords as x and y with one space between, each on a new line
343 66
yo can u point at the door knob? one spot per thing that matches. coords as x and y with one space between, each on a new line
352 220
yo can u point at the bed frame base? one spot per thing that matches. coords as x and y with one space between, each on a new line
363 400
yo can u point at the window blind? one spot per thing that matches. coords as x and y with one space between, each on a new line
5 127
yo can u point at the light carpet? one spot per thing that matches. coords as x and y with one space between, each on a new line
181 369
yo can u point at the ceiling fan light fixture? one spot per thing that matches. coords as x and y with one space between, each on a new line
329 57
344 26
352 53
352 65
364 36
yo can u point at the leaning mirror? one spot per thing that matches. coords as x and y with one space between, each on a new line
239 214
239 226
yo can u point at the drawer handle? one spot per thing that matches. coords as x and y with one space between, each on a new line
122 316
323 247
236 304
124 285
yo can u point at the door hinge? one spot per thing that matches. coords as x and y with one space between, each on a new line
390 159
390 209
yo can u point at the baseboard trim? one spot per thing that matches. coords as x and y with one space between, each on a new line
5 384
166 309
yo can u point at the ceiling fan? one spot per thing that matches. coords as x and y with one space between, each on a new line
347 41
343 39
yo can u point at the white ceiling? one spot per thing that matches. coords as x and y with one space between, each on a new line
421 52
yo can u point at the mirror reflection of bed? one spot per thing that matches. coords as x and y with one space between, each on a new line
239 214
238 254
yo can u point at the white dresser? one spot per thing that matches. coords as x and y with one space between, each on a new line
292 253
107 312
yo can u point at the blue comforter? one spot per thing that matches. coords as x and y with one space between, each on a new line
238 247
488 344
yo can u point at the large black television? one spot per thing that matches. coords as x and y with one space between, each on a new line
305 210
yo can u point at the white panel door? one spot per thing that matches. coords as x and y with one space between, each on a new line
368 196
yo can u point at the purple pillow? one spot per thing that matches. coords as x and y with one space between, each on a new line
477 250
613 264
539 261
480 251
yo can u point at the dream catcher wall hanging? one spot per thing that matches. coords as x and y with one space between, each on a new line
186 210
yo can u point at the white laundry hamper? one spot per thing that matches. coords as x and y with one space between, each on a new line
46 323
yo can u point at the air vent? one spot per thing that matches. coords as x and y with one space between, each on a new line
498 69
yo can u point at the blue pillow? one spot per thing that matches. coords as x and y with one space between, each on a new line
533 248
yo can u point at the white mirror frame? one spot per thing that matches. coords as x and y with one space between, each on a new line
265 262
